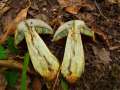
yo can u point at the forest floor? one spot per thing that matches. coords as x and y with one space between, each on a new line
102 56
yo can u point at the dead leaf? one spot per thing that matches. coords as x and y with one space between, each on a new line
114 1
6 21
103 35
12 26
102 54
66 3
73 6
5 9
3 4
72 9
115 47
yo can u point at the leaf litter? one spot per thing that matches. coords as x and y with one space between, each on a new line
10 29
99 78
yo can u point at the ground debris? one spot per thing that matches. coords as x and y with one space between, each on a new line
101 33
73 6
103 54
102 63
12 26
3 82
114 1
18 83
3 7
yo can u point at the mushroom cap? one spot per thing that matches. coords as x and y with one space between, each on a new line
40 26
63 30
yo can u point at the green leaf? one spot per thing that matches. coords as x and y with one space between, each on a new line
24 76
11 77
11 46
64 85
3 52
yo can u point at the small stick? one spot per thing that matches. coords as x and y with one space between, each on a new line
14 64
100 11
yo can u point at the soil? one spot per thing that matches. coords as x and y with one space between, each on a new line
102 68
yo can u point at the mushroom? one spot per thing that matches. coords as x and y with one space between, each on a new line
73 61
44 62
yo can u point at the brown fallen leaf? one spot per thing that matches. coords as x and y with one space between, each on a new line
115 47
103 35
66 3
3 4
6 20
114 1
12 26
5 9
73 6
10 29
72 9
102 54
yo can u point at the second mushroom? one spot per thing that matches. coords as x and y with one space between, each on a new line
44 62
73 61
